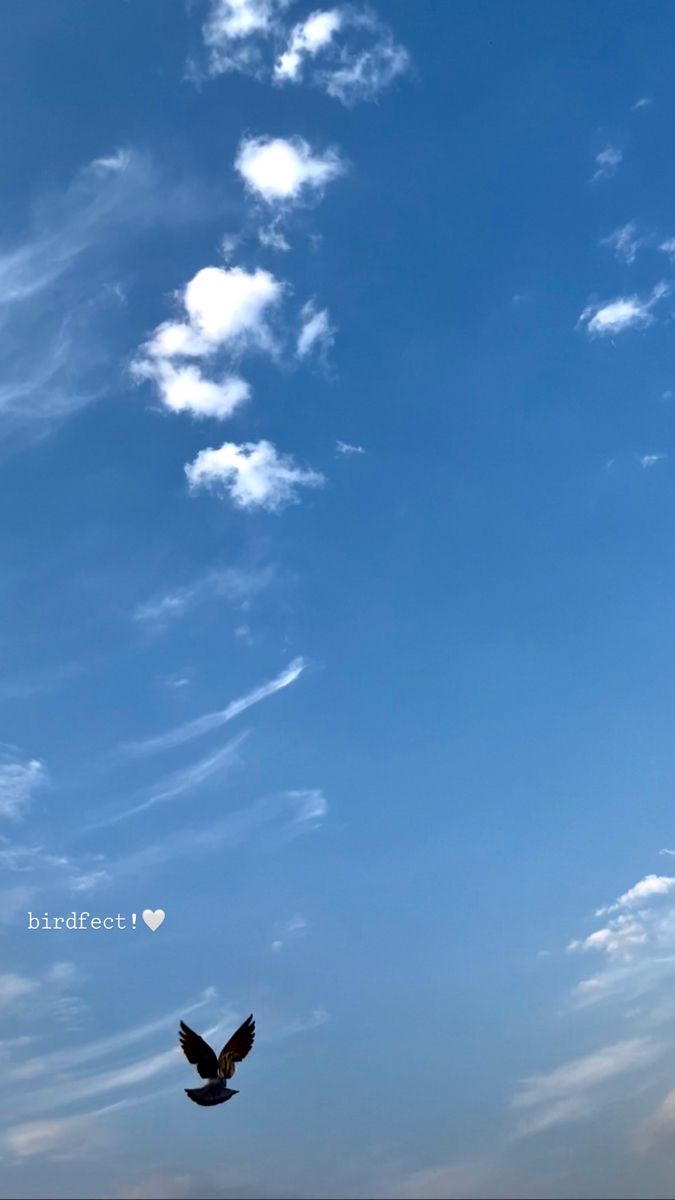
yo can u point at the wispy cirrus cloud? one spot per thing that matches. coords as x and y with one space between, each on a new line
180 783
19 780
237 586
317 334
625 242
62 280
575 1089
608 160
214 720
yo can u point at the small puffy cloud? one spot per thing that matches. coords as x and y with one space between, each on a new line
346 448
228 306
226 311
608 160
233 31
225 307
626 312
650 460
185 389
346 51
643 102
285 170
19 779
668 247
306 40
255 474
620 937
625 242
316 334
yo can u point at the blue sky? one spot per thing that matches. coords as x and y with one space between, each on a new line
337 490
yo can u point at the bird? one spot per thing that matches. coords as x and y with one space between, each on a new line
216 1070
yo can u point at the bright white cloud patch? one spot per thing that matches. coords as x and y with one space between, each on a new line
19 779
233 30
306 40
626 312
184 389
228 306
645 889
316 334
346 448
255 474
285 169
347 51
668 247
226 311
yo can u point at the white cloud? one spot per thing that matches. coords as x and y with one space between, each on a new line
236 585
645 889
346 51
15 987
625 242
255 474
316 333
278 818
180 783
660 1125
668 247
289 931
608 160
185 389
228 306
19 779
626 312
650 460
285 170
60 1138
619 937
570 1090
362 75
272 238
306 40
643 102
347 448
213 720
232 32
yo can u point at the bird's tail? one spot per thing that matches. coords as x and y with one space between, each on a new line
210 1094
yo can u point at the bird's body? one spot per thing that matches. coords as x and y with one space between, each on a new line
215 1070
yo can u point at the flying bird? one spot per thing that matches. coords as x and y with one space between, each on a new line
216 1070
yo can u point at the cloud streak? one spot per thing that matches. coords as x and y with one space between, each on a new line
214 720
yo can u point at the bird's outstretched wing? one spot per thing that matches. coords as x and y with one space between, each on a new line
237 1048
198 1052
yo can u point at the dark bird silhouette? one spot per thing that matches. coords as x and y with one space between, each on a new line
216 1070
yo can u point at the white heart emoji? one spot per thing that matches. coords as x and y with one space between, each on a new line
154 919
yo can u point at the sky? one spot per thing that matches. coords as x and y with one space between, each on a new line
336 492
